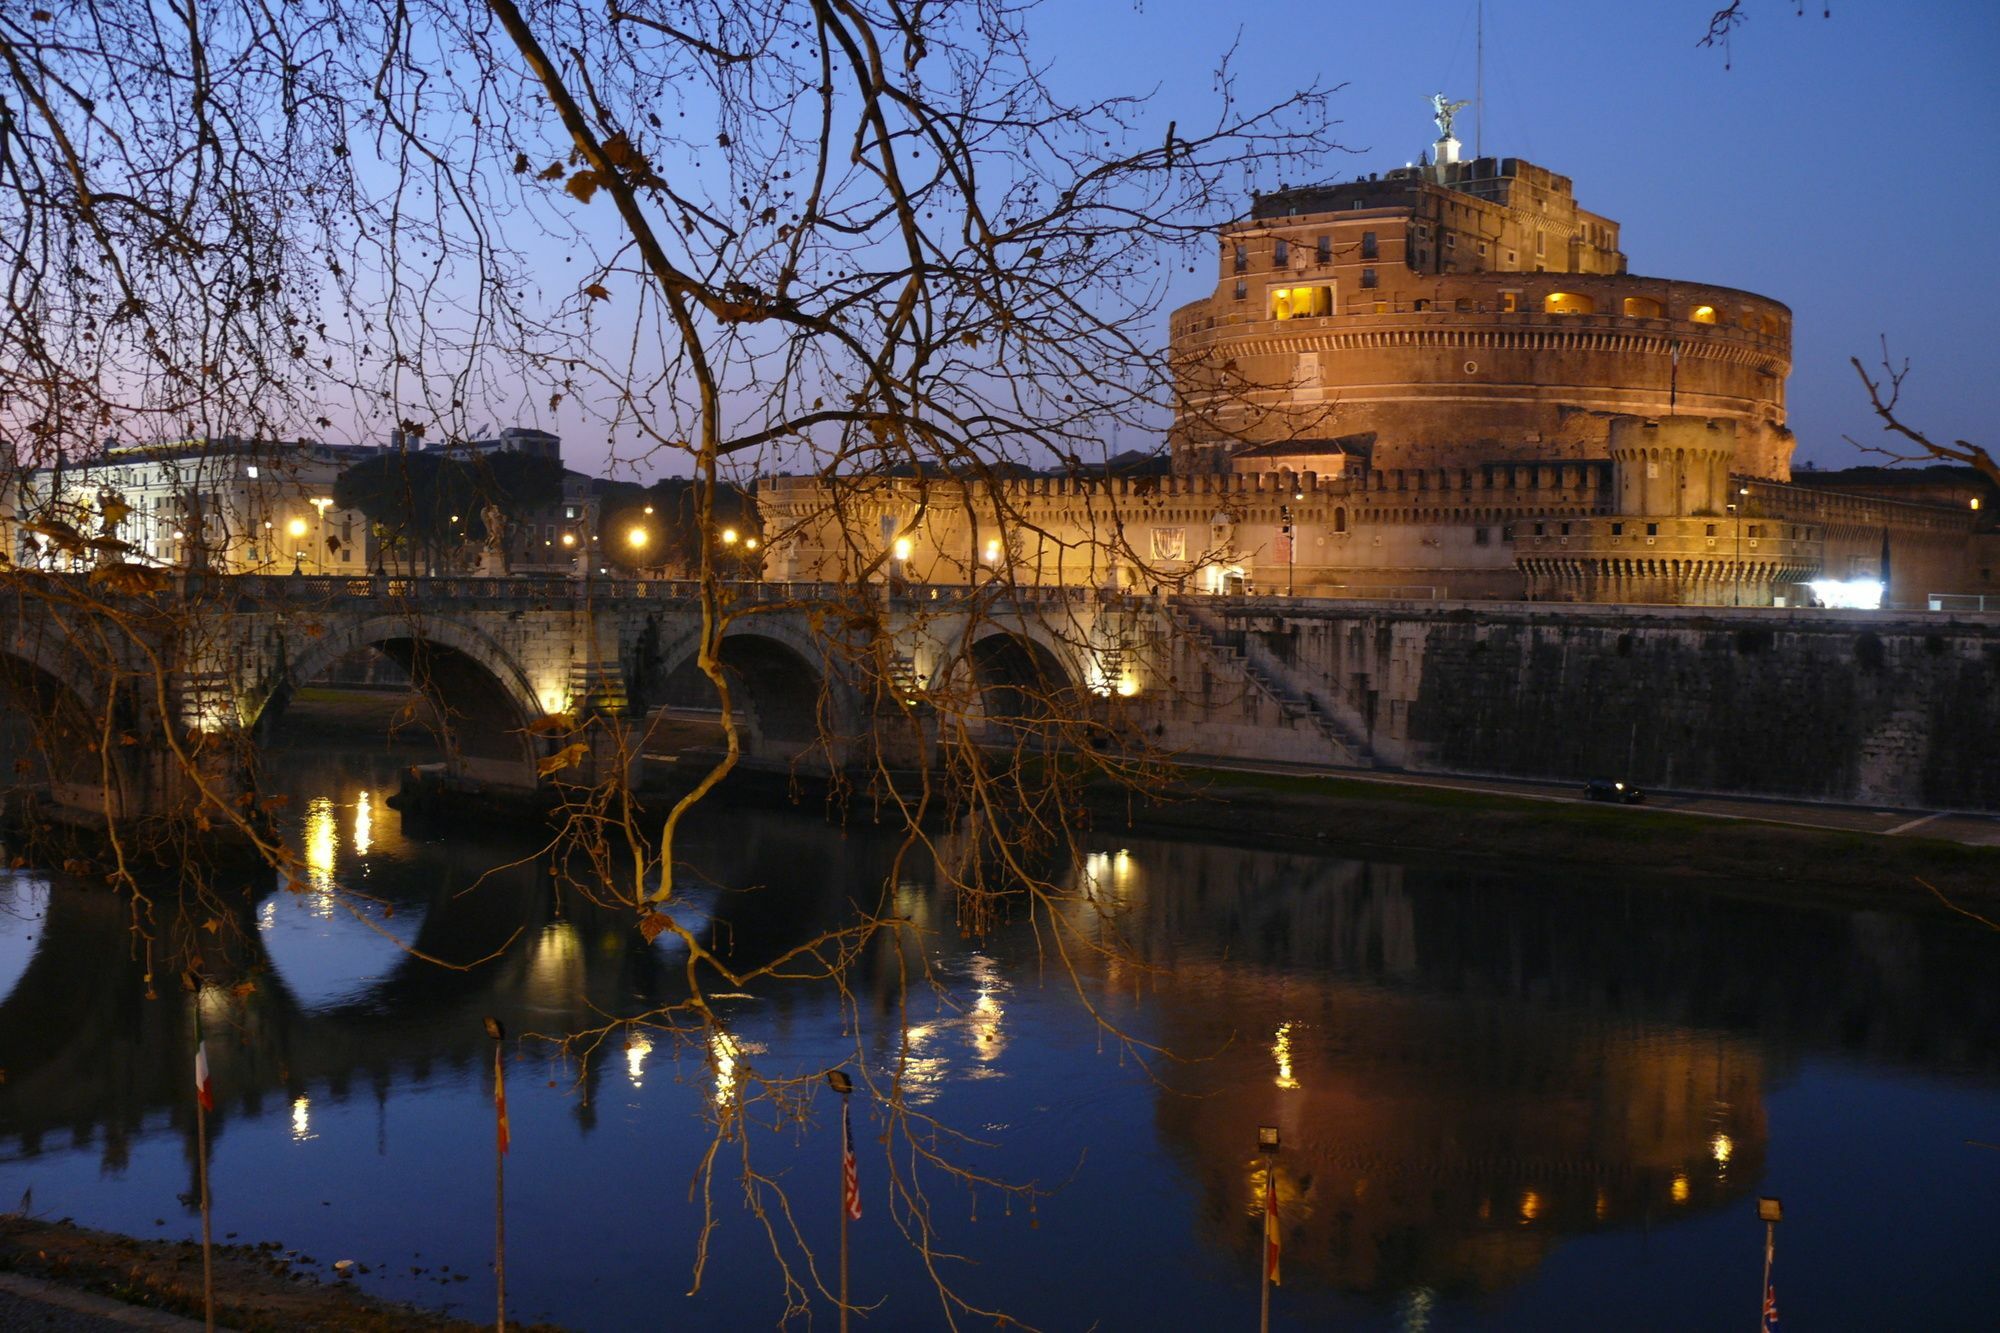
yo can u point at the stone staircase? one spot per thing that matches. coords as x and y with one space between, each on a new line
1242 653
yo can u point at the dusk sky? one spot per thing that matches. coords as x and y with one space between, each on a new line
1845 165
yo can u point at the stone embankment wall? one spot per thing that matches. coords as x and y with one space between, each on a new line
1897 708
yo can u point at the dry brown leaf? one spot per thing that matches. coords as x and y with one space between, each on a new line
651 924
566 757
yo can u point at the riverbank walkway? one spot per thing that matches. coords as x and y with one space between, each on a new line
1968 827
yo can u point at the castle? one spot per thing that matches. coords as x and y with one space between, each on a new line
1434 382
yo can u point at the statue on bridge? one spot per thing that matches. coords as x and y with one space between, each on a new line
493 559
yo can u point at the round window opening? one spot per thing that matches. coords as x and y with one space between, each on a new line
1472 367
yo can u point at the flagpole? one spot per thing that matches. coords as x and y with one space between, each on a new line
1267 1143
844 1139
495 1030
201 1155
201 1168
838 1080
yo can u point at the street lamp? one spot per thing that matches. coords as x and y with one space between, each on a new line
1770 1212
1736 513
1291 544
321 503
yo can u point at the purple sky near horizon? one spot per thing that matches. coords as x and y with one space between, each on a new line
1841 165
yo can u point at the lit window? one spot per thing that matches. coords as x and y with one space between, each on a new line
1301 302
1509 302
1643 307
1703 314
1567 303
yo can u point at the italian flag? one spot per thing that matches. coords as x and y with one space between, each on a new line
204 1091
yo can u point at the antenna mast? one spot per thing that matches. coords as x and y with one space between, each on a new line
1479 86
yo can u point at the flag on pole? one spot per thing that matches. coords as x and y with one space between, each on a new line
850 1177
500 1105
1271 1225
203 1087
1770 1309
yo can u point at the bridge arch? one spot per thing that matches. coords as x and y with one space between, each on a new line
53 729
1023 677
791 698
481 695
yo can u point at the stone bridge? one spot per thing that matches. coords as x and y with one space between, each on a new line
128 705
154 703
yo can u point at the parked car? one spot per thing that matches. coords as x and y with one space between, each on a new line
1604 789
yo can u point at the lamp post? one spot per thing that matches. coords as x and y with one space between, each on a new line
1291 544
1770 1212
1267 1144
1736 577
321 503
838 1080
297 529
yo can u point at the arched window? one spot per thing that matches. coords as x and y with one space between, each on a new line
1568 303
1643 307
1703 314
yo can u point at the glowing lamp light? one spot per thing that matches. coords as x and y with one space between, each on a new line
297 527
729 536
569 539
750 544
903 548
637 538
1848 594
993 552
1127 687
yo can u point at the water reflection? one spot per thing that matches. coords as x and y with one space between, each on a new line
1466 1069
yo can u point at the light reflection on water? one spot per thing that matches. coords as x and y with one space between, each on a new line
1497 1100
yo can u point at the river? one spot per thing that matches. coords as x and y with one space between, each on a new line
1507 1097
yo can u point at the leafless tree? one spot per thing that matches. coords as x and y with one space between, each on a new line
843 236
1884 397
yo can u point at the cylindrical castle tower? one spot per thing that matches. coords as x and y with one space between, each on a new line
1458 314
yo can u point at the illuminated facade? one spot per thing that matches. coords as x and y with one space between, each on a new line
227 504
1435 382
